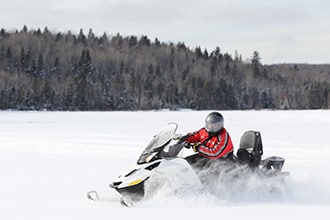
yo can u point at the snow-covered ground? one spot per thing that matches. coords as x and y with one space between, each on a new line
49 160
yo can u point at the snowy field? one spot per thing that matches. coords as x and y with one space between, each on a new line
49 160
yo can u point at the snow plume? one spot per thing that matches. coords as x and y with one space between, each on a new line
175 183
240 184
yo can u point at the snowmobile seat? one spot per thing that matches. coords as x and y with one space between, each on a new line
250 148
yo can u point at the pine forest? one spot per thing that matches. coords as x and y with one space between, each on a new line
43 70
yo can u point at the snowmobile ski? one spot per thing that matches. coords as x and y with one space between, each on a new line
93 195
126 201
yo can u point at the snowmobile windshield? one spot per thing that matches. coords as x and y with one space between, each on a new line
158 143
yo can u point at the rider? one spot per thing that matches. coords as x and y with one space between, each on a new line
212 142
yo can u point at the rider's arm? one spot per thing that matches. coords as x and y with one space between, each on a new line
193 137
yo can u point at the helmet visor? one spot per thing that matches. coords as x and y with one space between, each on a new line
213 127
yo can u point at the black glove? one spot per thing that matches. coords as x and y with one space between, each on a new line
186 144
183 138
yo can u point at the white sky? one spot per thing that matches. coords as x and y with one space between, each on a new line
282 31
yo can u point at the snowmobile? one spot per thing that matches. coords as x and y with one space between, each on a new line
164 151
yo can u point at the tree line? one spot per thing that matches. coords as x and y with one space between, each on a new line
40 69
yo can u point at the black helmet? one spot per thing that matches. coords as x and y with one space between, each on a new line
214 122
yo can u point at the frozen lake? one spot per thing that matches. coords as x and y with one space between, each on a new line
49 160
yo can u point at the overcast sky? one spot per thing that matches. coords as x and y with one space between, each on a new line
282 31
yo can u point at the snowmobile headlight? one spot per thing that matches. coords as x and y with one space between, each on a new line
135 182
150 157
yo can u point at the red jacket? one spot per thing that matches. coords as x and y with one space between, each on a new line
213 147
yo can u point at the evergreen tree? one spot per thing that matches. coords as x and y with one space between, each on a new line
256 64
